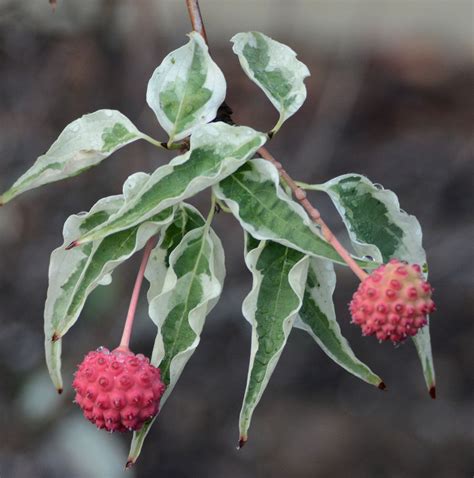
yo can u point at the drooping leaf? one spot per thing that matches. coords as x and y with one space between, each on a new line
274 68
186 89
318 317
193 281
422 342
379 228
74 274
84 143
186 274
264 210
217 150
279 277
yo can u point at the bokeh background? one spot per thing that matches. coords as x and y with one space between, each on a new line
390 96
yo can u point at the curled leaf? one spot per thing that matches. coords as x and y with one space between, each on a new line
186 90
274 68
186 273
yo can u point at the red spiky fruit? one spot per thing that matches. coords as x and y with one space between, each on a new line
118 390
393 302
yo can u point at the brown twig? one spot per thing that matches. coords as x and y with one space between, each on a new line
314 214
196 18
198 26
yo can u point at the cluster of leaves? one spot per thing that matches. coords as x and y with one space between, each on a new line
292 265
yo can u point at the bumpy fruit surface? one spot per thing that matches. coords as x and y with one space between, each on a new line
118 390
393 302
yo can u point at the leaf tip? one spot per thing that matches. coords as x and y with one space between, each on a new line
59 390
7 196
72 245
130 463
242 442
432 392
382 386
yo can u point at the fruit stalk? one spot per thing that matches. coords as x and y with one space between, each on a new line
127 329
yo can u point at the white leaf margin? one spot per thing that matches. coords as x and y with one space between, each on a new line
262 171
323 297
163 281
211 292
282 57
412 251
205 135
297 280
60 257
84 136
174 66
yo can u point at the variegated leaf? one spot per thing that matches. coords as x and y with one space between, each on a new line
264 210
186 89
74 274
379 228
217 150
318 317
279 277
84 143
376 224
186 274
274 68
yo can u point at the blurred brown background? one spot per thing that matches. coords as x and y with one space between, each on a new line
390 96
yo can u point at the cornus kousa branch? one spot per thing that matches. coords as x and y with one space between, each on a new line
376 313
314 214
198 25
292 265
